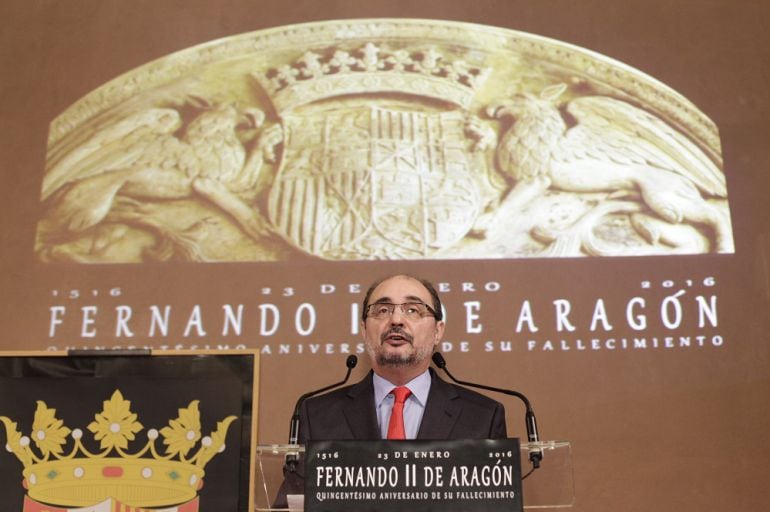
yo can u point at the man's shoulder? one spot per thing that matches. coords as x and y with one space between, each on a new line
341 394
331 396
456 412
465 394
345 413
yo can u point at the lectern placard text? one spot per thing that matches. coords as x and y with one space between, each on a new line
450 475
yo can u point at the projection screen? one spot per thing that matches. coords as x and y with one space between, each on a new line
584 182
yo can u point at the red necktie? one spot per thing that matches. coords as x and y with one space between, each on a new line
396 425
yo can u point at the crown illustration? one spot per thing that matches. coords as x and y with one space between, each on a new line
139 479
370 69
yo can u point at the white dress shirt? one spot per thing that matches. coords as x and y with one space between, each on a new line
414 407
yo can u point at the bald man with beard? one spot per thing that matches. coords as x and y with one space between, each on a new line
402 323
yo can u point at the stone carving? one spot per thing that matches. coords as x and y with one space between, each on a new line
368 69
611 146
357 140
116 175
374 183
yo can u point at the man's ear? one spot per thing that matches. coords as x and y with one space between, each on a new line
439 333
362 327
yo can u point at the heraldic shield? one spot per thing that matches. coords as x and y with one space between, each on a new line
370 182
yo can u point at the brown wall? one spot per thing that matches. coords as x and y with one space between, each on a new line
680 428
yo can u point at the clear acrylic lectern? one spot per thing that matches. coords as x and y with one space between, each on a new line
550 486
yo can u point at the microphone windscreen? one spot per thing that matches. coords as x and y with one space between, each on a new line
351 362
438 360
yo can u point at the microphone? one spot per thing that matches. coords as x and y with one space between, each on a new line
535 456
291 459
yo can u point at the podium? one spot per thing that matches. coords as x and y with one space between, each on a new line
549 486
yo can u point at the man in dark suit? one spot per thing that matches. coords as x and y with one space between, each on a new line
451 412
402 323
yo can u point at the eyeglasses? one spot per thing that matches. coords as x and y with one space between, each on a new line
411 310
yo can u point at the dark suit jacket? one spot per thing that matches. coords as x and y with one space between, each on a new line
451 412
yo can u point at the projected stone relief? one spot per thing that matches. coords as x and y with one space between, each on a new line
381 139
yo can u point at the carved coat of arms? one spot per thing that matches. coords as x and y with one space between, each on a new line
373 182
360 140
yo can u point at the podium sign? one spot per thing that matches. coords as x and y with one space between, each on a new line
450 475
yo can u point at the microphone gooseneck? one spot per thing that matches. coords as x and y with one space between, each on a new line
535 456
291 459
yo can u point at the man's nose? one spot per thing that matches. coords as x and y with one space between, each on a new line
397 317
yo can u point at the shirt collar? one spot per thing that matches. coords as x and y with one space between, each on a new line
419 386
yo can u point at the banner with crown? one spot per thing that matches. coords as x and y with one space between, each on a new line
79 477
127 456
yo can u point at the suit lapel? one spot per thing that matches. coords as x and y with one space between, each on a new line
359 410
441 412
